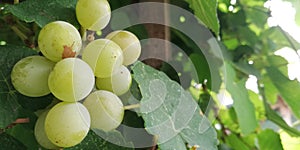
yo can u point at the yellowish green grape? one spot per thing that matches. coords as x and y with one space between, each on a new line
67 124
103 56
30 76
119 83
71 80
129 44
93 14
106 110
58 40
40 134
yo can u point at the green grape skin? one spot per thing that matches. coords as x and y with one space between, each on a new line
71 80
103 56
67 124
106 110
129 44
40 134
119 83
29 76
58 40
93 14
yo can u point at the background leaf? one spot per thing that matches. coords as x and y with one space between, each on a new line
243 106
9 106
9 142
206 11
43 12
286 89
94 142
269 140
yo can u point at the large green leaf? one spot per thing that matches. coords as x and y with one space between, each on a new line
269 140
243 106
171 113
24 135
286 88
257 15
9 142
206 11
9 106
236 142
94 142
274 117
7 35
271 91
45 11
258 105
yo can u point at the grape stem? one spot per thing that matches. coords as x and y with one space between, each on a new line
133 106
18 121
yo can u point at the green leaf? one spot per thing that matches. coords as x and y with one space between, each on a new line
296 5
269 140
43 12
278 62
242 51
206 11
9 106
9 142
202 67
297 17
247 36
170 112
243 106
229 119
246 68
271 91
7 35
94 142
24 135
258 105
274 117
275 38
286 88
236 142
132 120
257 15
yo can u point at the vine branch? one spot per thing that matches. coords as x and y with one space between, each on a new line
18 121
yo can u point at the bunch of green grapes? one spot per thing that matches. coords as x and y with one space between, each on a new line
87 86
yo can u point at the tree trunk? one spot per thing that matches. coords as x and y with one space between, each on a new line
155 49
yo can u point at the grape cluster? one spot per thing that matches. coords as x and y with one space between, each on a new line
87 88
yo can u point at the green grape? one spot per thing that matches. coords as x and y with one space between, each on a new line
103 56
40 134
129 44
71 80
93 14
106 110
58 40
119 83
67 124
30 75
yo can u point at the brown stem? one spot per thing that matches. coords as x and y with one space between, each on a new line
156 50
22 120
18 121
154 147
133 106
